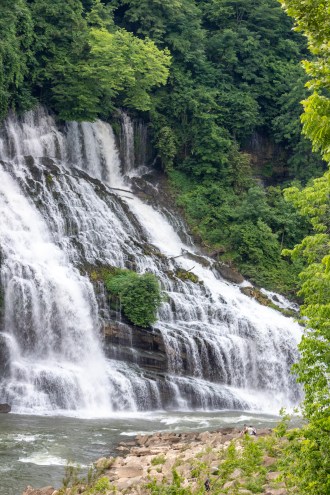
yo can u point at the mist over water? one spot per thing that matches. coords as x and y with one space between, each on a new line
66 202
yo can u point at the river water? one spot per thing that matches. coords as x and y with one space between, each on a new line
35 450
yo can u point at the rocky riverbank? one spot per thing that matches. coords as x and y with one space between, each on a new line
234 464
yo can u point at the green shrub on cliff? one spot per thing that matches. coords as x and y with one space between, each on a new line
139 295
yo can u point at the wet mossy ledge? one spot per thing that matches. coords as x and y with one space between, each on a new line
139 295
184 275
265 301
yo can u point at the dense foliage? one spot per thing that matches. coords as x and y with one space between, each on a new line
211 77
73 60
313 20
307 462
235 76
139 295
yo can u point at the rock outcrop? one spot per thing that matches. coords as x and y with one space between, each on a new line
5 408
153 458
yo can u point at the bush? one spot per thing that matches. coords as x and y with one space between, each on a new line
139 295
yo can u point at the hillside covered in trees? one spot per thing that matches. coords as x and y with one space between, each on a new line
219 84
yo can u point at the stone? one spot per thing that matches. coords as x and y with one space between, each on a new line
141 439
47 490
122 449
229 273
236 474
269 461
130 471
205 436
276 491
229 484
103 463
273 475
124 483
5 408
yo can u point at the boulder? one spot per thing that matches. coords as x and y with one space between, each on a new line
47 490
269 461
5 408
236 474
132 471
229 273
230 484
4 352
273 475
276 491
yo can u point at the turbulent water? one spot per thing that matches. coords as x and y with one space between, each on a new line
66 204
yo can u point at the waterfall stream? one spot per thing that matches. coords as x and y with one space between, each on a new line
67 203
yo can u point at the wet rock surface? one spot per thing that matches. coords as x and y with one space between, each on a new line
5 408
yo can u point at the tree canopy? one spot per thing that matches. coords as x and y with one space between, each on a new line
307 463
312 18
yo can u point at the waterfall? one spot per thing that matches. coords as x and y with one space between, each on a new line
134 150
67 205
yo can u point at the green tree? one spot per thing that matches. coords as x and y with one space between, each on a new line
82 67
308 463
312 18
125 63
60 43
16 58
314 367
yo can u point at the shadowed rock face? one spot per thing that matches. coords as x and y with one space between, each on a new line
229 273
5 408
4 356
144 347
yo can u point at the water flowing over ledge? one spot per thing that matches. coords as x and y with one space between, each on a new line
65 204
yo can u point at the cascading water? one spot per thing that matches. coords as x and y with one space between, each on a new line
65 206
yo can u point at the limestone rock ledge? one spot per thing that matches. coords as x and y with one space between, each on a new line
153 457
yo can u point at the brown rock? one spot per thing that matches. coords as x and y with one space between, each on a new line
131 471
273 475
141 439
229 484
229 273
269 461
103 463
47 490
5 408
276 491
236 474
124 483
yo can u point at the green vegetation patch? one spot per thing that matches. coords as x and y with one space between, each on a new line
160 459
139 295
248 226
